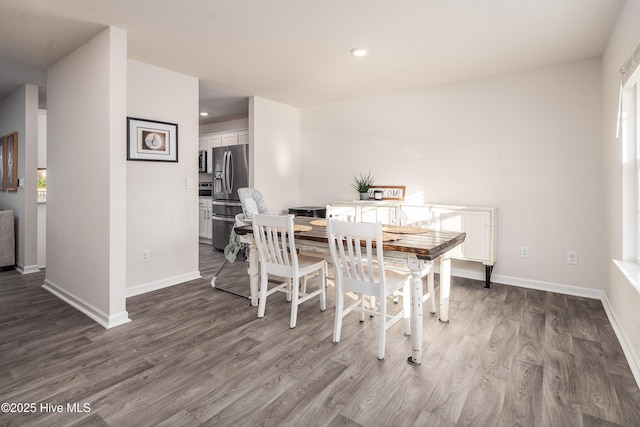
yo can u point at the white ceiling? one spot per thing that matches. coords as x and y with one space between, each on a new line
298 51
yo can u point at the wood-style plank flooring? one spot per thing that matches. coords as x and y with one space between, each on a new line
196 356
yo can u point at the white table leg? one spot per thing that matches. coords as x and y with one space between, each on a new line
445 287
417 268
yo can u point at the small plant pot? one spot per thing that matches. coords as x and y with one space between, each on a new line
364 196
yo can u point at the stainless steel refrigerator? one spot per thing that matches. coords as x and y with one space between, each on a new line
230 172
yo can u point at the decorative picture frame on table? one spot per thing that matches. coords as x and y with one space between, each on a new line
152 141
388 192
10 161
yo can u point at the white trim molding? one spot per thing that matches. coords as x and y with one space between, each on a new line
105 320
28 269
160 284
625 343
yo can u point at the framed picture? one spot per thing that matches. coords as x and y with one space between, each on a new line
3 165
153 141
11 161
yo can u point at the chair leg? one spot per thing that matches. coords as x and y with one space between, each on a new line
323 285
262 301
337 324
431 290
383 327
295 292
289 290
362 298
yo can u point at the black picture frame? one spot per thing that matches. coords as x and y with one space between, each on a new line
151 140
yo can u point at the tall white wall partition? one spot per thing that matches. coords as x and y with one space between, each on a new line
274 152
86 160
19 113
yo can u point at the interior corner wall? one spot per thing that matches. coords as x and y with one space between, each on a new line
86 193
19 113
274 134
162 197
622 295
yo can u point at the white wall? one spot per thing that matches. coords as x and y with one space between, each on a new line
623 297
19 113
86 159
274 153
162 213
526 142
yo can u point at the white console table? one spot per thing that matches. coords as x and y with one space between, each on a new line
479 223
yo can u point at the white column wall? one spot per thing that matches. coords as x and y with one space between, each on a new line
274 152
86 178
19 113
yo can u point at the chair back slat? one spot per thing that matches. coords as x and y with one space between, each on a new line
356 254
273 237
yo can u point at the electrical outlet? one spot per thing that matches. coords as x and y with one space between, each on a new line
572 257
145 255
524 252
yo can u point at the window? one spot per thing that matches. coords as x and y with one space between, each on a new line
42 185
629 121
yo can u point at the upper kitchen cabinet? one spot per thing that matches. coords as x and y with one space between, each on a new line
243 136
221 139
229 138
206 143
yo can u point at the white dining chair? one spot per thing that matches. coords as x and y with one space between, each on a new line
274 238
358 260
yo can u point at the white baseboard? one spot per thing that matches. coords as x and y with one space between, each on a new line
549 287
627 349
27 269
630 355
160 284
105 320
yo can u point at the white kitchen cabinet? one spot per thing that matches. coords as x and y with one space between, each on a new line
207 142
229 138
204 219
221 139
243 136
479 223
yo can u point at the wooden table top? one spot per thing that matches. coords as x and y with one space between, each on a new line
427 246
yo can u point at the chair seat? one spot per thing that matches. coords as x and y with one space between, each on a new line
394 279
306 261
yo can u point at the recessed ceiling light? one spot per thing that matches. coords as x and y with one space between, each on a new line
358 51
204 113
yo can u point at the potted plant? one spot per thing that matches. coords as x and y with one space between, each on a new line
362 183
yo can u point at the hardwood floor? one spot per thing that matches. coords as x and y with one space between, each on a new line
195 356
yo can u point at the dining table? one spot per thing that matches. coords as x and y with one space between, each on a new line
414 248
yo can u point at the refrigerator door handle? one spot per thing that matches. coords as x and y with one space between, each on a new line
225 172
230 171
